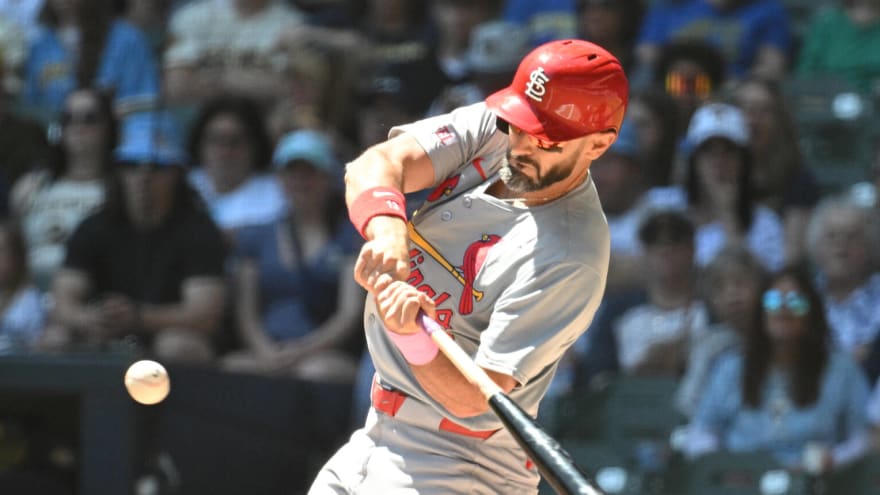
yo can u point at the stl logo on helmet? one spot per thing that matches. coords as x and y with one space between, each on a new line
535 88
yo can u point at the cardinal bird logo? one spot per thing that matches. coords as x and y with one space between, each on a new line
474 256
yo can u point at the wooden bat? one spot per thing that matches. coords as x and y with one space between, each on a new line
554 463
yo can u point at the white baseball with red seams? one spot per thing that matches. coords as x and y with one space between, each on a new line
147 382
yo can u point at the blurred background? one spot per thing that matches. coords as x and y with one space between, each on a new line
171 188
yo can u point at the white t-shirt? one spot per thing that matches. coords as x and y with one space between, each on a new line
642 327
49 217
256 201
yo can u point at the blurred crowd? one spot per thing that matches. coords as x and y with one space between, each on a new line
171 183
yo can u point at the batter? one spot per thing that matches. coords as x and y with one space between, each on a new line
509 253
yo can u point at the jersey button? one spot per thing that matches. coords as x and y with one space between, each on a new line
446 216
467 202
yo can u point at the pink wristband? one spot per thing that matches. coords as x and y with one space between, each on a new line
418 348
376 201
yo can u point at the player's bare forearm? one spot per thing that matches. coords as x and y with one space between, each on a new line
445 383
400 163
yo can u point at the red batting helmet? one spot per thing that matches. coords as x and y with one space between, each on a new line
564 90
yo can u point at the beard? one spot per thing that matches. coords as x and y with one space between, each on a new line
517 181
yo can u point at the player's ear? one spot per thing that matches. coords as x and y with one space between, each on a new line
598 143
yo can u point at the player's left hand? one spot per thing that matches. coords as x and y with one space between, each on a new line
399 304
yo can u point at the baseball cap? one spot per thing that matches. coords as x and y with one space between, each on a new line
308 145
151 138
564 90
497 47
717 120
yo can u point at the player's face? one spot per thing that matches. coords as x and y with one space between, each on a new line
532 164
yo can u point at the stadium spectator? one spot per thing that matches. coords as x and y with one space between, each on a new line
491 59
393 35
13 47
788 392
22 312
83 43
23 145
146 269
151 17
843 242
654 114
24 14
691 72
222 47
547 20
297 305
456 21
613 25
650 331
51 202
844 41
780 180
752 35
232 150
719 171
731 287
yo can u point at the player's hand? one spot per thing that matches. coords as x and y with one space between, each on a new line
384 258
399 304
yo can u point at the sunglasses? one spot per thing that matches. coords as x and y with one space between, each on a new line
90 117
678 84
795 302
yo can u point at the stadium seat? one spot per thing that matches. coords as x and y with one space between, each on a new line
626 412
834 122
862 478
725 473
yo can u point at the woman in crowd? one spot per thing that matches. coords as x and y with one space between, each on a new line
780 181
718 189
297 305
50 203
731 286
788 393
231 149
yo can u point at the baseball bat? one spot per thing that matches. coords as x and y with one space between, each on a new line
554 463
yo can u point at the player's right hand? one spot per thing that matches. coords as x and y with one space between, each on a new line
385 257
399 304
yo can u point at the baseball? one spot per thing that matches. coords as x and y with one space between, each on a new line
147 382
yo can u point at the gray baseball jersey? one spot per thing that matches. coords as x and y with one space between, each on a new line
514 286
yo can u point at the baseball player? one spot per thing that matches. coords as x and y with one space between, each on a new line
509 253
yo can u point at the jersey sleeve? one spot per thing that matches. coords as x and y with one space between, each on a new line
129 69
539 317
452 140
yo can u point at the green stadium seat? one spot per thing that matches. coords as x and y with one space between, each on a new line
834 125
725 473
861 478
